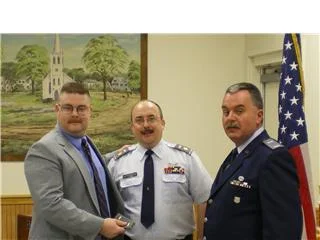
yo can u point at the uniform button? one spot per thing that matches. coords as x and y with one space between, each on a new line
210 201
205 219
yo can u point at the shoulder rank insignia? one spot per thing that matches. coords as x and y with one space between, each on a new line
181 148
271 143
124 151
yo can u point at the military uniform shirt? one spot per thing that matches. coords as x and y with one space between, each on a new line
180 180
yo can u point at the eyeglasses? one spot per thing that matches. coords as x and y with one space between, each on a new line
141 120
68 109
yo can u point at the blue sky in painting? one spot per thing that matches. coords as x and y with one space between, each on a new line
72 44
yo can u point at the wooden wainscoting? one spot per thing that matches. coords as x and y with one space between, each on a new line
11 206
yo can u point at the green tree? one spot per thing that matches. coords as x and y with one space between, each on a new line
105 58
9 74
33 64
134 75
78 74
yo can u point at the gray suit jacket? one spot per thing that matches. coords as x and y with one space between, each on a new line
65 203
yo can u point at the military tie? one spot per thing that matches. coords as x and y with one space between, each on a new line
147 206
97 182
233 156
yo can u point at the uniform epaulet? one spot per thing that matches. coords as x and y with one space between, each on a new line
181 148
124 151
271 143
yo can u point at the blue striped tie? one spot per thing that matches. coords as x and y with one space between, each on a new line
98 185
147 206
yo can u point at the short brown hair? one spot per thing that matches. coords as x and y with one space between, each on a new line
74 87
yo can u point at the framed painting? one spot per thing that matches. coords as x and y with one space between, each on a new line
35 66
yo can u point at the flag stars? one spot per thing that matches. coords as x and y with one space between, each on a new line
280 109
288 45
288 80
294 136
284 60
300 121
283 129
288 115
294 100
293 66
299 87
283 95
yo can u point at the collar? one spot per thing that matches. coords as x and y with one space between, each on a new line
253 136
158 150
75 141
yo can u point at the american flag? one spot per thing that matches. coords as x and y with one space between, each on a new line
292 131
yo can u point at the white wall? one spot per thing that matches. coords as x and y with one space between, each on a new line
187 76
13 179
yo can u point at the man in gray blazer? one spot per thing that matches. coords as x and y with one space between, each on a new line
67 181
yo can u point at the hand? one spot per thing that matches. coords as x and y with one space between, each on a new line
112 227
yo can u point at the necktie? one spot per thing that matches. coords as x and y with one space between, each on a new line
147 206
233 156
97 182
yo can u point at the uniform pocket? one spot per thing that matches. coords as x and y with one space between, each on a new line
175 188
130 190
172 178
130 182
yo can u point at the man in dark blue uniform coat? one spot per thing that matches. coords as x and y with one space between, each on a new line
255 194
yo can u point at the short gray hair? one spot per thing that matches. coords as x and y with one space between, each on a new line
251 88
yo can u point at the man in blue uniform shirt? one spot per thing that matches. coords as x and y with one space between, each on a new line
180 180
255 193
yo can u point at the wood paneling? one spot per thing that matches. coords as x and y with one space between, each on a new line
11 206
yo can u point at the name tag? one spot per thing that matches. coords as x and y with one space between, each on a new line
130 175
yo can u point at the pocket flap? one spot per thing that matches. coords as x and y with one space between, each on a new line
129 182
180 178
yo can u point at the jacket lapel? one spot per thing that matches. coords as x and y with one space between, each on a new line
223 176
79 161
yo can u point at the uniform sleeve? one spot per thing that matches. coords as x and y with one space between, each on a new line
111 167
200 180
108 156
279 194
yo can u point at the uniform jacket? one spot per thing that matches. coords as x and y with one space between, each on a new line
65 202
256 197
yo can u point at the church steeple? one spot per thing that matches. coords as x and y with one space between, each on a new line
56 47
52 84
56 75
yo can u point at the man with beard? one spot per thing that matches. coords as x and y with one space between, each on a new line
73 194
255 194
159 199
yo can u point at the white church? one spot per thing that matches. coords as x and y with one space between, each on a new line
52 83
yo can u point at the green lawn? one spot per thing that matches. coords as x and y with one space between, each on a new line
24 119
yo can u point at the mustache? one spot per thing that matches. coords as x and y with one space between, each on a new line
232 125
146 131
74 121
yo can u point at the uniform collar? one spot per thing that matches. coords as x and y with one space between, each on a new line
253 136
158 150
